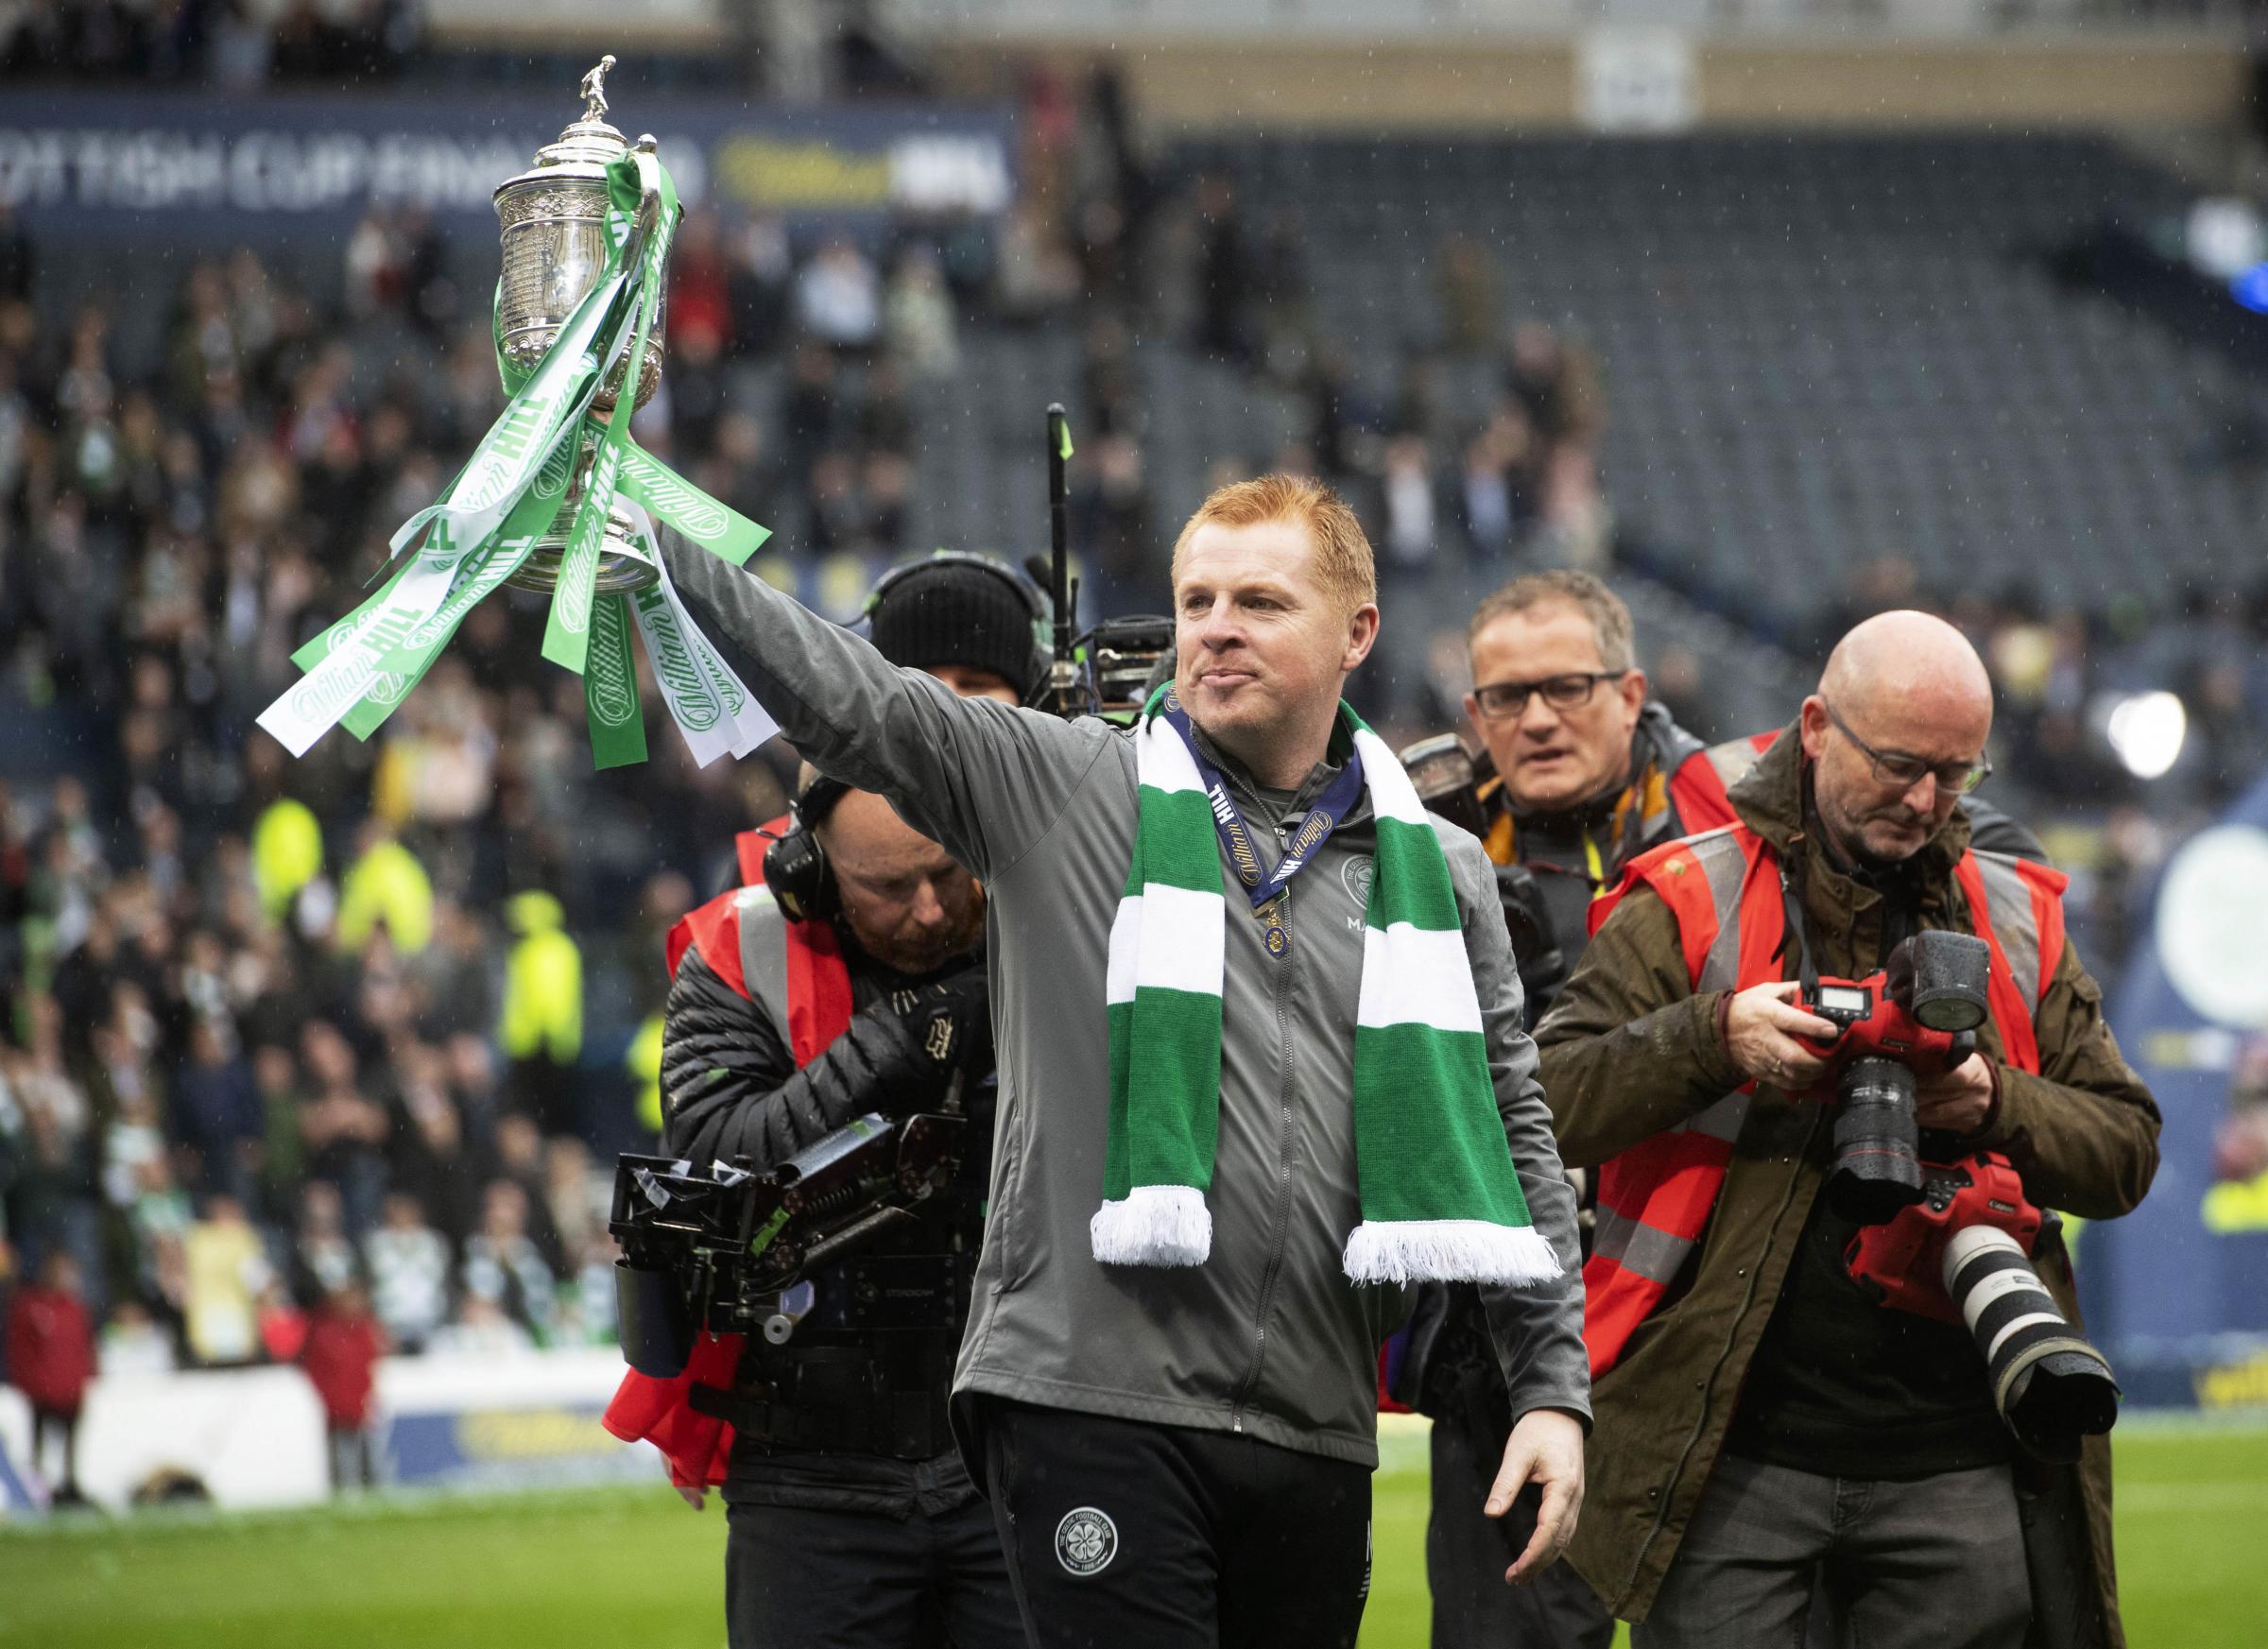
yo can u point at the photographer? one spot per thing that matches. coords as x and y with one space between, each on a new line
1169 1376
1764 1419
1583 772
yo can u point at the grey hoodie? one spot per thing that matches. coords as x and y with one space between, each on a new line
1268 1338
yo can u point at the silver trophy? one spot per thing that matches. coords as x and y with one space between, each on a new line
554 218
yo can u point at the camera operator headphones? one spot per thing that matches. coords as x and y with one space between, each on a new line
795 866
1033 604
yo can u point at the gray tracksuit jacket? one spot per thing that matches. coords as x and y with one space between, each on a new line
1268 1338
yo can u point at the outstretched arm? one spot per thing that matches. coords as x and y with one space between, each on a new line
982 780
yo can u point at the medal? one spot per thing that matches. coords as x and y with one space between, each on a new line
1269 893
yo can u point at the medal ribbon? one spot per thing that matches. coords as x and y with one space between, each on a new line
1264 888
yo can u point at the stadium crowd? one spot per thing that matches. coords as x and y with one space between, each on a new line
231 43
278 1035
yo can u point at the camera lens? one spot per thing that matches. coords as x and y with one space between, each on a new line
1875 1172
1942 978
2051 1387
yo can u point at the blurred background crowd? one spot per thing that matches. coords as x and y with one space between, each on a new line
279 1039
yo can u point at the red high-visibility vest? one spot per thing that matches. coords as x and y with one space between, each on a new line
1700 788
795 971
749 848
1655 1198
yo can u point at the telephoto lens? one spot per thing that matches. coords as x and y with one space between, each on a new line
1876 1170
2052 1387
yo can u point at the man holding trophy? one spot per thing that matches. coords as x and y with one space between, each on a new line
1258 1023
1231 1125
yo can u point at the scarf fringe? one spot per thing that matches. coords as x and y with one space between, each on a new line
1407 1251
1156 1225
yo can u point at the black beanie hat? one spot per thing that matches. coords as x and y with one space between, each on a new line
959 609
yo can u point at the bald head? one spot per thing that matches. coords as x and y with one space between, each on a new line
907 902
1911 658
1902 688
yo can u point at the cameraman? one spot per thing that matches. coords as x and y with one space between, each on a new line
857 1524
1762 1419
1583 773
851 1519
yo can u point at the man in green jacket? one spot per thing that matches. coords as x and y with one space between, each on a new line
1761 1421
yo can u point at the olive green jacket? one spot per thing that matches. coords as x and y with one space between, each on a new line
1629 1050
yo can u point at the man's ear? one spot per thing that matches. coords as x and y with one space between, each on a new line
1811 726
1473 714
1633 689
1362 635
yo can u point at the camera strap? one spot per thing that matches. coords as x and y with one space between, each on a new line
1796 929
1264 889
1898 921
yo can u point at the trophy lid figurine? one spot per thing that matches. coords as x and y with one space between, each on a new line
556 497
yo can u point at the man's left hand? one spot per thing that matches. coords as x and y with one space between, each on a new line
1957 1101
1545 1448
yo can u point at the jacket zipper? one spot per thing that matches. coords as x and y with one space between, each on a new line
1283 1174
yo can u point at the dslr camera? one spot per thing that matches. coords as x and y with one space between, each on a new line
725 1249
1950 1241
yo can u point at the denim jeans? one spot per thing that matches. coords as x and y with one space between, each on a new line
1934 1563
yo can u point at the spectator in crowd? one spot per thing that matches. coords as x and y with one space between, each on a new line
216 1111
323 1257
504 1267
839 298
344 1343
541 1029
409 1274
342 1130
50 1358
134 1343
922 332
226 1270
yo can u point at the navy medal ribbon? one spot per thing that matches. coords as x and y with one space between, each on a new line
1265 888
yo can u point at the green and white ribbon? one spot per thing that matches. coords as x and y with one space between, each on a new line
457 551
1439 1197
610 688
712 705
718 528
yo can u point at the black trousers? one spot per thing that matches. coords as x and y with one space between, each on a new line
798 1578
1467 1552
1120 1533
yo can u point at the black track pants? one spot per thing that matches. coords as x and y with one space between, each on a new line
798 1578
1120 1533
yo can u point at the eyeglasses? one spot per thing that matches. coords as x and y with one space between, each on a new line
1896 768
1503 699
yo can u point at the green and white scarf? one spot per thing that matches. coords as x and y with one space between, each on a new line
1440 1198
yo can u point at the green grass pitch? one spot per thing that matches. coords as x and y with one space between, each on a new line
635 1568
